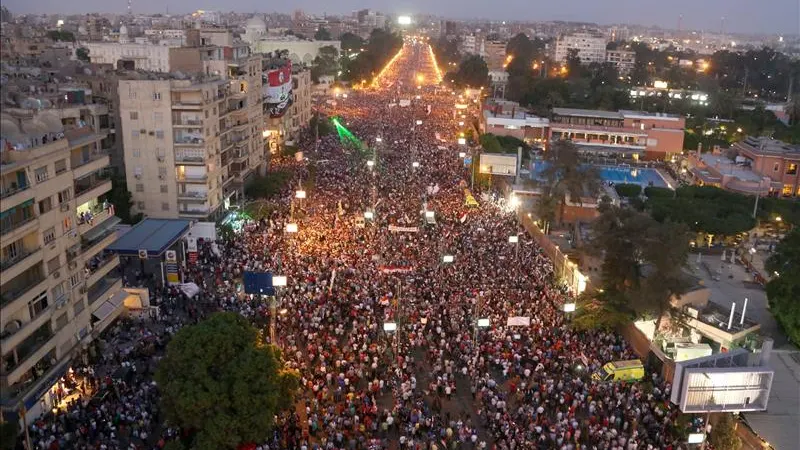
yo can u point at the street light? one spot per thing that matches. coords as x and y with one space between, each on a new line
370 163
291 228
300 194
419 122
378 139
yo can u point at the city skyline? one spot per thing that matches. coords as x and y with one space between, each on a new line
783 16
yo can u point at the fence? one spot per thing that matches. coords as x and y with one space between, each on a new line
565 270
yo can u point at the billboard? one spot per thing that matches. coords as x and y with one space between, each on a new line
277 89
723 382
498 164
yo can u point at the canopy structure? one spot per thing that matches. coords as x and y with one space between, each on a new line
152 235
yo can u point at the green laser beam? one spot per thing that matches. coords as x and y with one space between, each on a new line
346 137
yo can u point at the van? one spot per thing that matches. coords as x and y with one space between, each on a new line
620 371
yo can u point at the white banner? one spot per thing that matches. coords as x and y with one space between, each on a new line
190 289
404 103
191 244
394 228
519 322
391 269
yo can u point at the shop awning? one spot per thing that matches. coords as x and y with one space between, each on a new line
101 228
105 310
153 235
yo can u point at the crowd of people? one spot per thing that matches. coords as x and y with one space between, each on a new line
434 380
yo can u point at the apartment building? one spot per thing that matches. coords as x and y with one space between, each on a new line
58 288
494 53
287 104
623 60
591 47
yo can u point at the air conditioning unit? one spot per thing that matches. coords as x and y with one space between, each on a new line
56 274
161 177
82 290
64 207
142 131
138 176
152 133
160 158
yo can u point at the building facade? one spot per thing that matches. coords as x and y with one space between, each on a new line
59 288
148 57
623 60
300 52
591 47
773 159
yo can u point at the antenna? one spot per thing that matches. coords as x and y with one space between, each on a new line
680 22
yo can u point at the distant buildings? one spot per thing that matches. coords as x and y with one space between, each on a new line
623 60
591 47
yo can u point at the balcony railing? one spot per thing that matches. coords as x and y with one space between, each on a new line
183 122
87 244
193 178
83 186
7 226
9 191
189 159
98 262
13 294
9 262
93 157
101 287
189 140
193 195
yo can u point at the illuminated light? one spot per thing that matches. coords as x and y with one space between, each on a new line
419 122
738 130
300 194
658 84
370 163
420 78
535 66
483 323
429 214
461 123
378 139
462 154
415 164
404 20
279 280
266 133
389 326
778 219
569 307
462 141
283 311
563 70
448 259
513 239
291 228
369 215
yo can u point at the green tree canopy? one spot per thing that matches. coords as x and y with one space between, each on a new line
565 176
490 143
267 186
705 209
351 42
122 199
628 189
82 53
723 433
218 382
61 35
783 290
322 34
473 72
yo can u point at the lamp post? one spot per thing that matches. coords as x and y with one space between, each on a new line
277 281
514 239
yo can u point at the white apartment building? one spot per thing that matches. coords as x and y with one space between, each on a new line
469 44
58 288
150 57
591 47
623 60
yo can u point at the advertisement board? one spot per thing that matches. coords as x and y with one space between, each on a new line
498 164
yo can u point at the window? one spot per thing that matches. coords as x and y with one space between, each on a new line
79 306
140 206
791 169
49 235
137 153
61 166
134 115
158 117
165 206
135 134
61 321
156 95
41 174
139 187
45 205
159 134
787 190
164 189
162 172
54 264
776 167
74 279
39 304
66 224
64 196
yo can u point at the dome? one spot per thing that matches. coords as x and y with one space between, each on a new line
255 25
51 122
10 131
34 128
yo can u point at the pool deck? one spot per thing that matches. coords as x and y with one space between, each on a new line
671 183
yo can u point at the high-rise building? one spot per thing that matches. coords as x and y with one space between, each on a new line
591 47
58 287
623 60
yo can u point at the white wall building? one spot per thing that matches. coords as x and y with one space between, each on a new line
591 47
146 56
623 60
300 52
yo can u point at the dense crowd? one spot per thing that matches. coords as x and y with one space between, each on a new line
437 382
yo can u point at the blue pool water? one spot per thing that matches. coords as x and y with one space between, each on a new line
641 176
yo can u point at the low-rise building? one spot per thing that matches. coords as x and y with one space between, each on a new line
774 159
299 51
623 60
591 47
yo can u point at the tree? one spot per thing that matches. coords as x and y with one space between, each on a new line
218 383
723 434
783 290
325 126
473 72
490 143
326 63
705 209
121 198
9 430
566 177
268 186
322 34
82 53
351 42
547 210
61 35
629 190
574 68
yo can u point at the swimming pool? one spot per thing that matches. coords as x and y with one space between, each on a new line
616 174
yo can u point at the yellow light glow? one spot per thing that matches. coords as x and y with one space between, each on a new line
563 70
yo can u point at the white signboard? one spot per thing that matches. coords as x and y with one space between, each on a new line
519 322
389 326
404 103
498 164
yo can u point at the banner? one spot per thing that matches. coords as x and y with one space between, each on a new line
277 90
469 199
519 322
190 289
393 269
394 228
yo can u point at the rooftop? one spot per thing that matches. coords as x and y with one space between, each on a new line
153 235
726 166
587 113
767 146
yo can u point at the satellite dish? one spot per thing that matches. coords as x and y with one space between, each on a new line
13 326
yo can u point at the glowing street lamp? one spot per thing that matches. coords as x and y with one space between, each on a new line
291 228
415 164
370 163
300 194
461 123
378 139
418 122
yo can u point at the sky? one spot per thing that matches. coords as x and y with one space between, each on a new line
747 16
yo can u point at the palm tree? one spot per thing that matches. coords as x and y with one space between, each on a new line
565 176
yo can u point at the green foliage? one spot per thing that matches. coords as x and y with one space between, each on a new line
705 209
326 63
325 125
216 381
472 72
547 207
446 51
174 445
61 36
82 53
226 232
565 176
121 198
9 433
490 143
723 433
510 144
351 42
322 34
267 186
628 189
783 291
606 312
379 49
661 192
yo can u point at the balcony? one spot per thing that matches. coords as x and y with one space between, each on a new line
18 221
99 266
183 122
99 238
29 352
101 289
11 340
39 379
193 196
197 179
22 261
190 160
95 162
193 105
15 194
195 212
188 141
92 186
18 291
98 216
